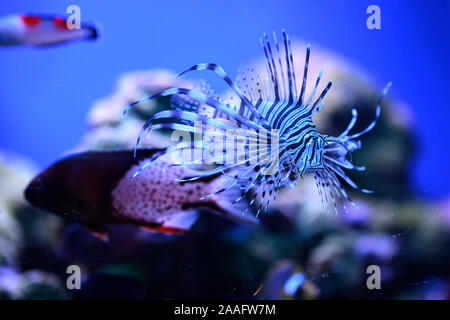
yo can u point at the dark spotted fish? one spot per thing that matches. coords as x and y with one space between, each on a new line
40 30
100 187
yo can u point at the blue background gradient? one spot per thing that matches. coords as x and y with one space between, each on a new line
45 93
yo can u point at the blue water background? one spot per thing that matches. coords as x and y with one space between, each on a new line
45 94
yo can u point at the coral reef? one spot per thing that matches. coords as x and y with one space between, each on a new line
107 130
22 229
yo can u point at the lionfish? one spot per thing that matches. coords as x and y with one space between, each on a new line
268 109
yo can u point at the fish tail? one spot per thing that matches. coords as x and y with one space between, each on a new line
91 32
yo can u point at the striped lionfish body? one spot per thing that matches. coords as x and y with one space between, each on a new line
275 140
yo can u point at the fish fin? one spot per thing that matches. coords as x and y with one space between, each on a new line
99 233
186 103
228 201
91 32
233 202
179 224
237 211
164 230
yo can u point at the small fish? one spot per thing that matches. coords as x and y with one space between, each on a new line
40 30
97 188
286 280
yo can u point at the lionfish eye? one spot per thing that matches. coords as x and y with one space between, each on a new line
292 176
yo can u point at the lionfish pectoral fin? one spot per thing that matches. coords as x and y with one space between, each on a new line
224 205
178 224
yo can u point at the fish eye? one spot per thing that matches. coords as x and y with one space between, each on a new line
38 184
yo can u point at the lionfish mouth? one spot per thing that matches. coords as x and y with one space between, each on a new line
268 107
